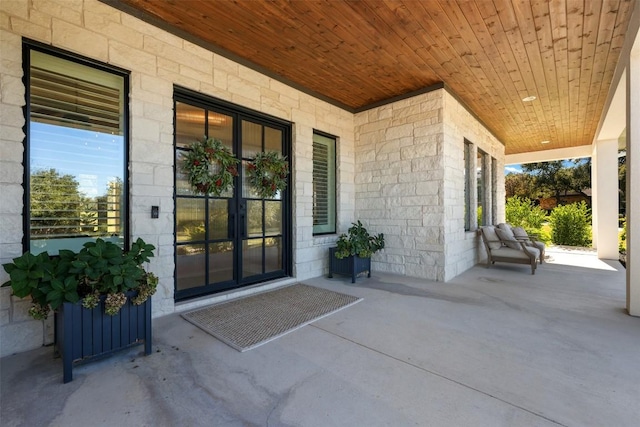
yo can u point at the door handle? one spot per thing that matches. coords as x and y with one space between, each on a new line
231 228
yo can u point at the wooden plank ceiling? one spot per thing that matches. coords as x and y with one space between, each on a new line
490 53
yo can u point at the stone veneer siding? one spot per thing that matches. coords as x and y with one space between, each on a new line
399 166
157 61
410 183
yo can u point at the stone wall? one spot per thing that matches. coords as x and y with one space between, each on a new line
157 61
462 248
399 183
399 166
410 183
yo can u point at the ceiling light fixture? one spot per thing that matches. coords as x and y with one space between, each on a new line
545 142
529 98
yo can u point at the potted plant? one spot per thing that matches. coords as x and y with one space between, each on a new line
352 255
99 295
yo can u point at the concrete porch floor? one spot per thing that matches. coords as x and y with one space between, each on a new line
493 347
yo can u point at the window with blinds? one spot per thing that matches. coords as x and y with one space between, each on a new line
76 154
324 184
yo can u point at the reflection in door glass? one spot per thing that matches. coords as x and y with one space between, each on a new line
220 262
189 124
218 219
248 191
190 220
183 188
273 254
272 139
190 266
272 218
251 257
254 218
251 139
221 127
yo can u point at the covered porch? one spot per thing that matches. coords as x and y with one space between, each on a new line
491 347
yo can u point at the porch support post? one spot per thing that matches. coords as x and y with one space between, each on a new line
633 180
604 178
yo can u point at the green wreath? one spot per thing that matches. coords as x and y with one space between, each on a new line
210 166
268 173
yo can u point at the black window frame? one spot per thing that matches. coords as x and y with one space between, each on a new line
335 182
29 45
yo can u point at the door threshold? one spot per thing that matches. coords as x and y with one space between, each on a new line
233 294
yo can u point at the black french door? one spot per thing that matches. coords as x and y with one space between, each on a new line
237 238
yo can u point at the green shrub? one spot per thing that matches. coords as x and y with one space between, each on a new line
622 237
543 234
521 212
571 225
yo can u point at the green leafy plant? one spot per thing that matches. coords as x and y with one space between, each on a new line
358 242
521 212
570 225
99 268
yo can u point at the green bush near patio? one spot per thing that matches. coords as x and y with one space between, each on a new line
570 225
521 212
622 237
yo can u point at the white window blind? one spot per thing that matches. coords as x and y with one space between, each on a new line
324 184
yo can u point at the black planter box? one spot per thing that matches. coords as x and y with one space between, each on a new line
82 335
350 266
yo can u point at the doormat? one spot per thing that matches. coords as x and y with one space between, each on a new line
254 320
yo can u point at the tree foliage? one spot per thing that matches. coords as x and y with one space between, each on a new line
521 184
55 202
554 179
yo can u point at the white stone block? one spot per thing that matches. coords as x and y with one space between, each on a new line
109 25
19 337
11 199
78 39
126 57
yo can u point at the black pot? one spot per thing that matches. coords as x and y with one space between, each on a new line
350 266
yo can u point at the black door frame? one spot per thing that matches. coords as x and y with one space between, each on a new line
238 113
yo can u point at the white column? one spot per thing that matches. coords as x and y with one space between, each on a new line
604 179
633 181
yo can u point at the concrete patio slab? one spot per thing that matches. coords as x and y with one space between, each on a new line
493 347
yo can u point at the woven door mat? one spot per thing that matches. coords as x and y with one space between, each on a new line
254 320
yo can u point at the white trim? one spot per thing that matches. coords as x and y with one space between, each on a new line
549 155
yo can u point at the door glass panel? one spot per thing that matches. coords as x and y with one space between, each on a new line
221 127
273 254
251 139
248 191
190 217
190 266
189 124
272 218
272 139
218 220
254 218
251 257
183 188
220 262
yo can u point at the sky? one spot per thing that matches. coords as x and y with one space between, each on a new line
518 168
